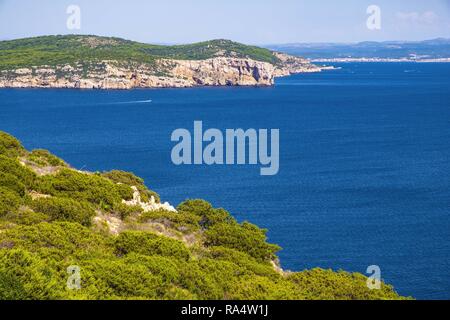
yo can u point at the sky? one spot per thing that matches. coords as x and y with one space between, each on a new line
248 21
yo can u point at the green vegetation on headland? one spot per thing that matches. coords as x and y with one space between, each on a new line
91 50
53 217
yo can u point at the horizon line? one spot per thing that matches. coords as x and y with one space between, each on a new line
252 44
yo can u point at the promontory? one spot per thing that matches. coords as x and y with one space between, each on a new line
93 62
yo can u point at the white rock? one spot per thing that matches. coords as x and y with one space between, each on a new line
152 205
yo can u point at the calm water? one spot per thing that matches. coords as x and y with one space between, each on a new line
364 167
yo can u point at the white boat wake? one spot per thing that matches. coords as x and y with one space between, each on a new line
133 102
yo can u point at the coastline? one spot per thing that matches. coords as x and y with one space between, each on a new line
248 73
375 60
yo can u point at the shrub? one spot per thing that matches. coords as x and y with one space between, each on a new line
63 209
124 210
176 293
319 284
26 217
221 274
119 280
12 183
200 283
45 158
124 177
81 186
147 194
13 167
149 244
246 238
125 191
203 209
254 287
245 261
181 221
9 201
10 146
129 179
57 240
23 276
168 268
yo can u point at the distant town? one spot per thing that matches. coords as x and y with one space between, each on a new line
420 60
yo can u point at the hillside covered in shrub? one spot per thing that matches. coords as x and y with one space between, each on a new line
54 50
53 217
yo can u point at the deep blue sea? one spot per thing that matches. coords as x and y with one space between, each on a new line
364 160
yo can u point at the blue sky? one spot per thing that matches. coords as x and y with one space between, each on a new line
248 21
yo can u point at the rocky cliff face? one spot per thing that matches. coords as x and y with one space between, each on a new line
291 65
218 71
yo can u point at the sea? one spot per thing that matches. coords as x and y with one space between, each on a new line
364 173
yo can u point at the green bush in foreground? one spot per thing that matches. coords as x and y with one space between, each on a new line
9 201
129 179
92 188
149 244
26 217
185 222
200 252
327 284
10 146
12 166
45 158
24 276
245 237
63 209
11 182
141 265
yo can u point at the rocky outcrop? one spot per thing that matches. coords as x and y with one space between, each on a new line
222 71
217 71
291 65
152 205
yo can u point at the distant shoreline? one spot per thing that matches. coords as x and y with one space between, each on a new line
369 60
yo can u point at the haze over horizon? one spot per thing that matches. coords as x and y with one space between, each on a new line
253 22
261 44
